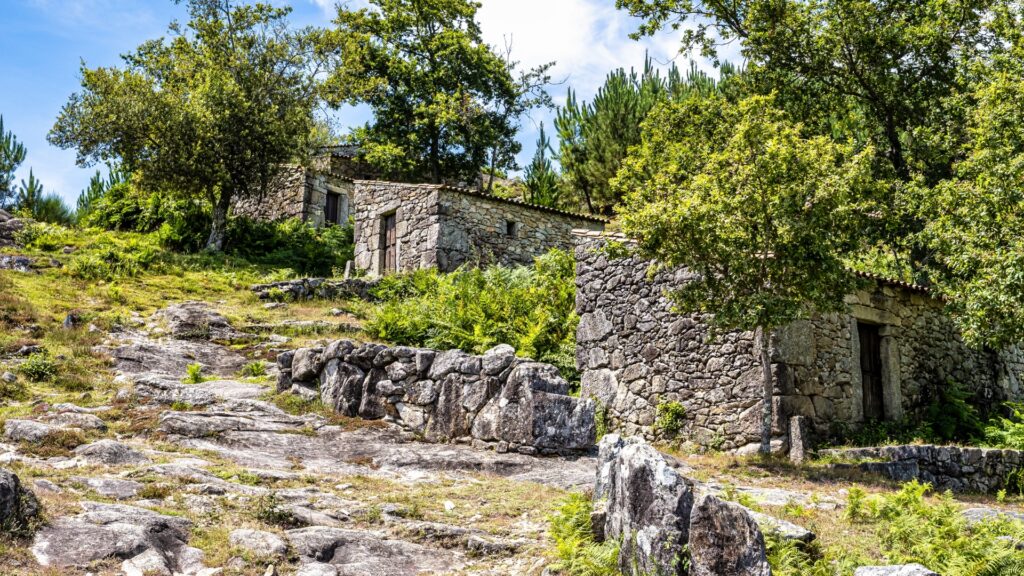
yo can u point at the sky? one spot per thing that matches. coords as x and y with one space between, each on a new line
43 43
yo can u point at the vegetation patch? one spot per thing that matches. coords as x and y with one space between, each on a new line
576 553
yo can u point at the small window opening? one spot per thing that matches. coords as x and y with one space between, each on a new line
510 229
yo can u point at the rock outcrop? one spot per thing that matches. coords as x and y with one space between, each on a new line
9 228
659 516
18 505
495 400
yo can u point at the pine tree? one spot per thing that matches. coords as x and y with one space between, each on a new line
542 181
595 137
12 154
98 188
33 203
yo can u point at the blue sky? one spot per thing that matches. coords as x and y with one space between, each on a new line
43 42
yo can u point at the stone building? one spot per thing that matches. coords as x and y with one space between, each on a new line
881 359
410 226
321 193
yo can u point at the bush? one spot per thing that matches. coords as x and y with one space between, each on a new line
257 369
308 250
576 552
194 374
39 367
530 308
671 418
1005 432
949 417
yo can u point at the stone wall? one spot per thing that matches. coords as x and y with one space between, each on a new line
634 352
480 228
416 223
496 400
443 227
315 288
299 192
955 468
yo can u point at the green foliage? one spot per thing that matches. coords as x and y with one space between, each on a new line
542 182
935 534
114 256
257 369
33 202
209 113
531 309
948 417
98 188
445 103
1007 432
15 390
575 549
194 374
269 508
39 367
595 137
292 244
671 417
12 154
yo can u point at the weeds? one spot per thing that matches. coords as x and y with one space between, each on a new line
671 418
39 367
577 554
194 374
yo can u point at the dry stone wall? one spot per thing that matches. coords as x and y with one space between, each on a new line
416 224
635 352
299 192
315 288
478 228
495 400
955 468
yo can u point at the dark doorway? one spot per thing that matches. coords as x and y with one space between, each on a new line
331 215
390 241
871 371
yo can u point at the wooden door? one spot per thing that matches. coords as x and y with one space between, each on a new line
390 244
871 371
331 209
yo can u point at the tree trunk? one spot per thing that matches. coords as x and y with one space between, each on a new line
218 229
761 342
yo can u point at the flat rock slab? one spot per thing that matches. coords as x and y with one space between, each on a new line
232 389
357 553
335 451
168 356
111 453
116 488
105 531
975 515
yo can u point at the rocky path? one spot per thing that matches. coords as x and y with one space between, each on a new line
212 478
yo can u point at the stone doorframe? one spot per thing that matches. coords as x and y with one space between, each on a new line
888 329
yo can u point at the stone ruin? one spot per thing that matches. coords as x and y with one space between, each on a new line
495 401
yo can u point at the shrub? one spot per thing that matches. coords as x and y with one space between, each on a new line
291 244
39 367
194 374
1003 432
576 552
530 308
936 534
257 369
671 418
111 257
14 390
949 417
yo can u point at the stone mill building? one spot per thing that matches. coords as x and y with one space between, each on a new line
882 359
399 226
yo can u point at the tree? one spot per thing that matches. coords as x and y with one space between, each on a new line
889 74
759 213
33 202
975 219
445 104
542 182
595 137
12 154
209 114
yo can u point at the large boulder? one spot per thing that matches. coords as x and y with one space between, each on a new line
258 542
648 504
725 540
18 505
197 321
9 228
111 453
